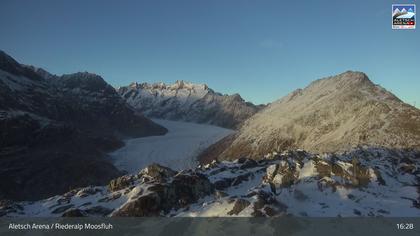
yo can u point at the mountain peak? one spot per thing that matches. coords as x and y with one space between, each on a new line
4 57
133 85
179 84
358 75
7 63
85 80
348 82
188 101
82 75
237 97
41 72
336 113
10 65
351 73
349 77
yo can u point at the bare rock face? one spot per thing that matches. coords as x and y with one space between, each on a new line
333 114
7 207
189 188
181 191
148 205
74 213
120 183
239 206
283 174
157 172
188 102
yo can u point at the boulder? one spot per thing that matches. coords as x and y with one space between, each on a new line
189 188
99 211
147 205
223 183
74 213
270 211
271 171
263 198
84 192
62 209
239 206
183 190
227 182
257 213
241 178
8 206
249 163
157 172
120 183
281 175
110 198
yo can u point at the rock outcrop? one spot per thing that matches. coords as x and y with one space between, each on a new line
362 182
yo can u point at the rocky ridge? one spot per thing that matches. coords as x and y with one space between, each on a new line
190 102
292 183
333 114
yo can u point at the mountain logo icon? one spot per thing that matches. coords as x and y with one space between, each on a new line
403 16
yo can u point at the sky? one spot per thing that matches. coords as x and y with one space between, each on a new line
262 50
400 7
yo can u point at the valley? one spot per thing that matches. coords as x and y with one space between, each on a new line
177 149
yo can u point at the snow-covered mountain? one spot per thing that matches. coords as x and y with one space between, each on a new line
403 14
56 129
332 114
188 102
396 11
362 182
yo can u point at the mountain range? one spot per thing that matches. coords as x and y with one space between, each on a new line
342 146
189 102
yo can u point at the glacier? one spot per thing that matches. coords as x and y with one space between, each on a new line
177 149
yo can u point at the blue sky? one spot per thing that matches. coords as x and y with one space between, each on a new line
400 7
260 49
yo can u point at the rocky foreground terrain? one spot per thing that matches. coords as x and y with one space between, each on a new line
362 182
333 114
55 130
188 102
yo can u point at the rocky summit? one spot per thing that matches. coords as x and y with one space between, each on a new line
333 114
292 183
190 102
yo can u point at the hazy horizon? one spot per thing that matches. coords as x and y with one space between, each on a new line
261 50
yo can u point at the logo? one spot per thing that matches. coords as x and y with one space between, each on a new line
403 16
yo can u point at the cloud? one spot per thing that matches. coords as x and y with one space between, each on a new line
271 44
